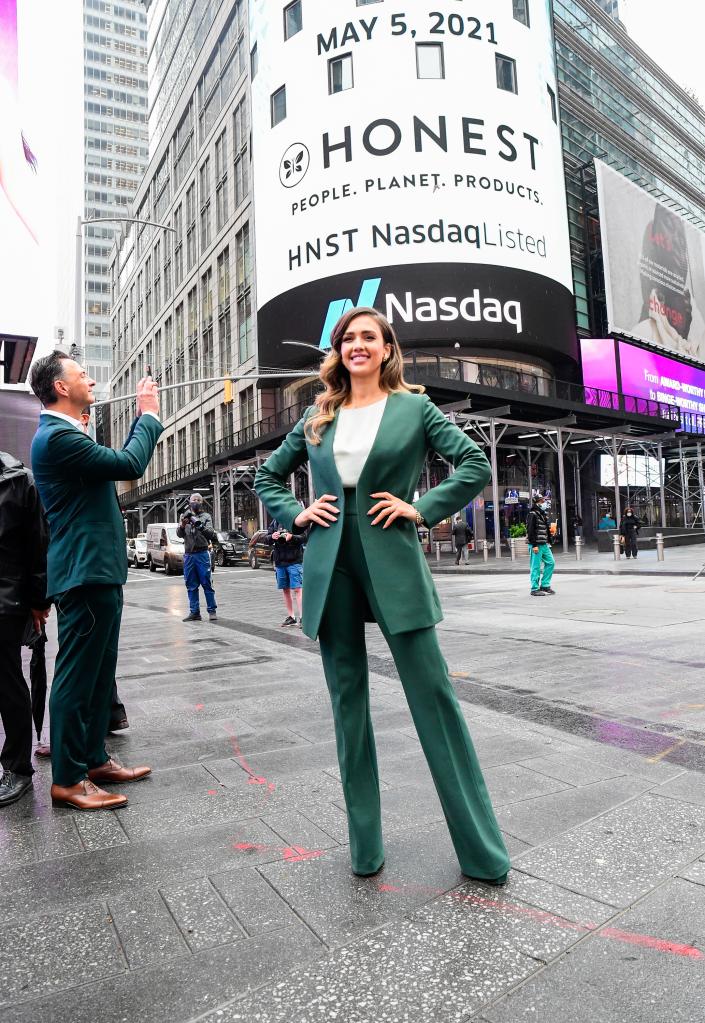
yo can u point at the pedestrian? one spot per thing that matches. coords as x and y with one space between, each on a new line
288 556
577 525
366 439
607 522
629 527
23 547
86 570
196 530
461 535
538 537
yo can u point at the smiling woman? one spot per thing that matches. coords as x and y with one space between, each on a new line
366 439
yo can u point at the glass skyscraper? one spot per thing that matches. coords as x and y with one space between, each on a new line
115 154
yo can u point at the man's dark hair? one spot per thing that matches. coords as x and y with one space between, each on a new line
44 372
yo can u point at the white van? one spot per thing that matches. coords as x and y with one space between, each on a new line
164 548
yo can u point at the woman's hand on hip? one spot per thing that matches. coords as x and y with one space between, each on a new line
322 512
391 508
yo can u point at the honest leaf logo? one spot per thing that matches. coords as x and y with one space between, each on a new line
294 165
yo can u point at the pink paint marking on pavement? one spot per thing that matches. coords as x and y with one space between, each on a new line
290 853
254 778
542 916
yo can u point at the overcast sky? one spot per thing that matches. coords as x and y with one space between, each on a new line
671 33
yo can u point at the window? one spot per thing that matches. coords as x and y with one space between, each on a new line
429 60
181 447
254 61
247 407
205 187
191 226
552 100
340 73
241 138
293 20
195 440
520 10
506 73
221 178
209 423
278 104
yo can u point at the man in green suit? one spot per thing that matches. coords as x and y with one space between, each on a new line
86 570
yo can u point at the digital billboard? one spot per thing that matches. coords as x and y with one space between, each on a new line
643 374
654 263
17 161
410 161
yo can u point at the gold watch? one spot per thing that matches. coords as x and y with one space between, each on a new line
420 521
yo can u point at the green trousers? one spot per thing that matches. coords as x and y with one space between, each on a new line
434 707
81 692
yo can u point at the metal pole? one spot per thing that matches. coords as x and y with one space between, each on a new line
234 377
659 547
617 499
561 483
579 548
438 551
141 515
701 483
512 548
683 484
231 482
661 474
578 487
495 490
616 547
485 550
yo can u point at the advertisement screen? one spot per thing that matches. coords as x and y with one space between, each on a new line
654 264
409 161
643 374
632 471
17 161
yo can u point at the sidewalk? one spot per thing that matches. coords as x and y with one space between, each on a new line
678 561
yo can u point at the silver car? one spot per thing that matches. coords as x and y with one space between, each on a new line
137 552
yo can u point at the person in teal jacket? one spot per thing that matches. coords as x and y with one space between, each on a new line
366 439
86 570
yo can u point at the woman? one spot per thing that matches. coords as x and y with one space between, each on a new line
366 438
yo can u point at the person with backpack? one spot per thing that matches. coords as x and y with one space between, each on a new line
538 537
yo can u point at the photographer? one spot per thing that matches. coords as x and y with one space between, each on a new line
196 529
288 556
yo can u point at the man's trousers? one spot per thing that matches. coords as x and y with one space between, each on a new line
197 572
630 545
81 693
542 565
15 702
440 725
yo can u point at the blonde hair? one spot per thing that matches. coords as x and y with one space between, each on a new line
336 378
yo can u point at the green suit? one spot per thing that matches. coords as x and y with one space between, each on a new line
86 570
353 572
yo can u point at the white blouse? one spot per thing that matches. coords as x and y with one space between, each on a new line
354 436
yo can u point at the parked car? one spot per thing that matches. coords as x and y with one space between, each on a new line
259 550
137 552
164 548
229 547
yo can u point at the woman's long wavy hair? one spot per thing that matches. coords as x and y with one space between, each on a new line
337 379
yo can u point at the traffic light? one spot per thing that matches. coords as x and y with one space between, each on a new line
228 395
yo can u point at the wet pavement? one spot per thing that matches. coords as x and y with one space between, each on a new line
223 891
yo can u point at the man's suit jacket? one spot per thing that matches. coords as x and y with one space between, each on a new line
411 424
75 478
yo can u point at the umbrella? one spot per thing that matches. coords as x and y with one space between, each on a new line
38 682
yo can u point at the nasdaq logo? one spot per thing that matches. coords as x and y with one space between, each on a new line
367 297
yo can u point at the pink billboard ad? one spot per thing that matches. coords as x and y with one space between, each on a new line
644 374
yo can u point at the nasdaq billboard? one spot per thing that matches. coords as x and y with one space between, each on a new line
410 160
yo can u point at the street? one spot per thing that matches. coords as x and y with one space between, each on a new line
224 892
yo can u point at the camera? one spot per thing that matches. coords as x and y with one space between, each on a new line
192 520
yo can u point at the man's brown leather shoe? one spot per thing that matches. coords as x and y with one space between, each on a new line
112 771
86 796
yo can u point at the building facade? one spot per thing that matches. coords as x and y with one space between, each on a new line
184 296
115 155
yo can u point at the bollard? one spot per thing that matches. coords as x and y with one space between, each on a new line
466 554
617 547
485 550
579 548
659 546
438 550
512 548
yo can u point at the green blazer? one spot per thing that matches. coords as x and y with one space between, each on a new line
411 424
75 479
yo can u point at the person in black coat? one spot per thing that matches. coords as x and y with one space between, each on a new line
629 527
23 605
461 535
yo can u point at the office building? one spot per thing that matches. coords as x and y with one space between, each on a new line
115 155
